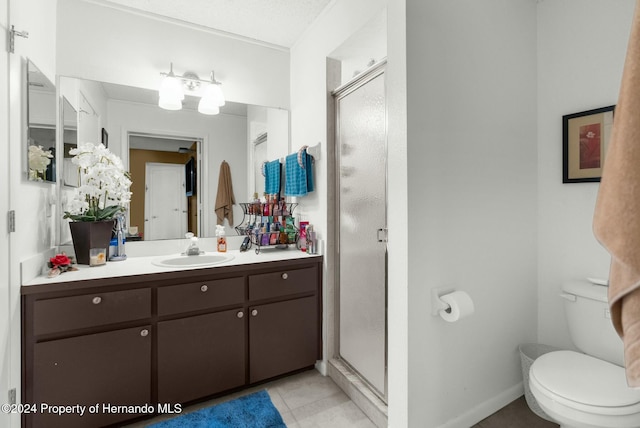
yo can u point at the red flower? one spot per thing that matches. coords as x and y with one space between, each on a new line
60 260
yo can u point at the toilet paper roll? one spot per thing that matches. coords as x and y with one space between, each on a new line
460 306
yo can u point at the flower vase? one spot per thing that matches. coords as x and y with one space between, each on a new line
90 234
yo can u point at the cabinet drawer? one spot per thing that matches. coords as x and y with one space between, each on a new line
176 299
90 310
283 283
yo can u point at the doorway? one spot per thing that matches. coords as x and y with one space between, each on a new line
181 156
361 189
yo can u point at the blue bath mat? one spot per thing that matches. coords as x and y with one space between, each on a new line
251 411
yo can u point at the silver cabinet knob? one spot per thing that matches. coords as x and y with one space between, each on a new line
240 314
96 300
285 275
144 333
254 312
204 288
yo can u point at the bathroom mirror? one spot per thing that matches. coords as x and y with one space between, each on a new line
144 135
69 141
41 125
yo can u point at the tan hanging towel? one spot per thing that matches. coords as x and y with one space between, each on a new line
225 199
617 215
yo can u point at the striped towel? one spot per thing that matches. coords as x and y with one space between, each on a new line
299 181
272 177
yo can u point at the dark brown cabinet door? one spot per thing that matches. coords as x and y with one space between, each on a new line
105 368
283 337
200 356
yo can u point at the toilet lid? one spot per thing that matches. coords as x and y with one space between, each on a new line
583 379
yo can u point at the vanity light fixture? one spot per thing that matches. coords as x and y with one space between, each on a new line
173 88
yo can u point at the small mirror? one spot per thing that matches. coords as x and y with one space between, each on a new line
41 126
70 175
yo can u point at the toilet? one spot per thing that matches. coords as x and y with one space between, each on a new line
586 389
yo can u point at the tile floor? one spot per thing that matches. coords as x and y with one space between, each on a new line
515 415
310 400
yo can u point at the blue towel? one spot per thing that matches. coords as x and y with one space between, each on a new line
299 181
272 177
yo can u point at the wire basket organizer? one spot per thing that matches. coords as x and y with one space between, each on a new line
254 217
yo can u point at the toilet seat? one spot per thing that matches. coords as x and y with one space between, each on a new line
584 383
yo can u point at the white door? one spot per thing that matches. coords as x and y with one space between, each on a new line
362 154
165 201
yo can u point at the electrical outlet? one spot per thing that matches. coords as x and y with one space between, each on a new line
12 396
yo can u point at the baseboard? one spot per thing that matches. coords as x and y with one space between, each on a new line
321 366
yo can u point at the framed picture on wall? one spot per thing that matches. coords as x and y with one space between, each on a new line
105 138
585 138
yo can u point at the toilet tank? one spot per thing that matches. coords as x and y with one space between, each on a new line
587 311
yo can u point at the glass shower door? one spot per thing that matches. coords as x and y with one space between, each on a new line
362 154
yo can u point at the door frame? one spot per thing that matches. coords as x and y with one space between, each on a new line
5 205
360 80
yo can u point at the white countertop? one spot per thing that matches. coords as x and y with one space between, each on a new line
144 265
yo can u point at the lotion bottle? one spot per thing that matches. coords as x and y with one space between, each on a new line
222 240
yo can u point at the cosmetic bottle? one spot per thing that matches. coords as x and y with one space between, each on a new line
303 235
222 240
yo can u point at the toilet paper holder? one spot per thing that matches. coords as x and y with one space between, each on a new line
438 304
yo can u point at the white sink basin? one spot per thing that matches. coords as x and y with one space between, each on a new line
203 260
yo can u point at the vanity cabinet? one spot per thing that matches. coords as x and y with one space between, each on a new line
203 354
160 339
283 337
86 356
112 368
283 334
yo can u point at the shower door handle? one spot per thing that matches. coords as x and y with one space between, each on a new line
382 235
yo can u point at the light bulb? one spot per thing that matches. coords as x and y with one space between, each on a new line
211 100
208 106
170 103
171 87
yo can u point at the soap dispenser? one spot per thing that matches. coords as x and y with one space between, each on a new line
120 232
192 249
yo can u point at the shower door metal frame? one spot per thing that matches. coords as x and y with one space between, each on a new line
357 82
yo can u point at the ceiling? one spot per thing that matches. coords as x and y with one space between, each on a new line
278 22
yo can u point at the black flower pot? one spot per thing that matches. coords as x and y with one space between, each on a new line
90 234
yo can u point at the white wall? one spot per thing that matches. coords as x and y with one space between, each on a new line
105 44
34 229
472 224
309 125
579 68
